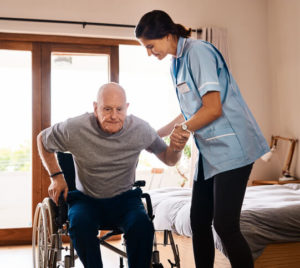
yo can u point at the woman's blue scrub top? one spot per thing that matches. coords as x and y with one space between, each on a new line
234 139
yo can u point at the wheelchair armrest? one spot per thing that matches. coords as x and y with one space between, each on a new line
61 211
139 184
149 205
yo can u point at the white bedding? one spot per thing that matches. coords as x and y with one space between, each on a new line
270 214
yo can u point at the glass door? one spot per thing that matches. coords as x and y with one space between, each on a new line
16 138
73 75
41 84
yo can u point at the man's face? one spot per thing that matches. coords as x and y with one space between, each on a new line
111 110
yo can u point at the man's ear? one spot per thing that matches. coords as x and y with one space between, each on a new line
126 110
95 108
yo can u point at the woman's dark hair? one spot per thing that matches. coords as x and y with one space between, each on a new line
157 24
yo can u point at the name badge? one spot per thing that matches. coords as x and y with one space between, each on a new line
183 87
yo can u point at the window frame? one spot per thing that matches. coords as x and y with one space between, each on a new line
41 47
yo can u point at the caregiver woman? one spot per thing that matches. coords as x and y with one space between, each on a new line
226 134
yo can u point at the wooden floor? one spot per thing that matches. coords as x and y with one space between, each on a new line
186 253
21 256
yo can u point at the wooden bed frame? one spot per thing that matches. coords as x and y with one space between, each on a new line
284 255
280 256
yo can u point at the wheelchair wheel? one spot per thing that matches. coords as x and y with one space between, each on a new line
43 238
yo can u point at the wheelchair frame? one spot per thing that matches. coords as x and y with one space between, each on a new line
50 227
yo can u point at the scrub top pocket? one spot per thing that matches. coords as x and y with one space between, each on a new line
221 148
189 102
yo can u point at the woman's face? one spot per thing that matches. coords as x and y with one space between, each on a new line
159 48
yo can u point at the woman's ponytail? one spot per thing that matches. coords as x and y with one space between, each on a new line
182 31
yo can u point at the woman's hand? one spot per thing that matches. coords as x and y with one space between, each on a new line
178 138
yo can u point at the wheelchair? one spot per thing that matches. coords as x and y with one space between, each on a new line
51 244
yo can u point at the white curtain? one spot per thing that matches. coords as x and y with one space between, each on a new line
218 37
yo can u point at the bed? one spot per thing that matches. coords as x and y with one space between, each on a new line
270 221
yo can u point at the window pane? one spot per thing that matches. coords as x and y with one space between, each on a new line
152 97
75 80
148 85
16 138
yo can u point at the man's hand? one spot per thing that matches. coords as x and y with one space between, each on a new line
58 185
173 152
178 138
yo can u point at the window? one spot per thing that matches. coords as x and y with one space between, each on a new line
151 95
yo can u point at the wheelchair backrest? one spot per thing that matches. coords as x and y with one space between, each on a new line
66 163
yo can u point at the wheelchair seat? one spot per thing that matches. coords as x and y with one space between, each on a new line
50 228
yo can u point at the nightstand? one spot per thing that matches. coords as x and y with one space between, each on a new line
264 182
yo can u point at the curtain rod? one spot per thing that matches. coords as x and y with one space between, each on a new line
83 23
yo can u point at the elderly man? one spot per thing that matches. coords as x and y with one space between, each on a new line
105 146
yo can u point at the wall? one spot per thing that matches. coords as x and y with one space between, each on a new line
245 20
284 38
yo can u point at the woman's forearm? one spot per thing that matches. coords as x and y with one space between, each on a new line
209 112
167 129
